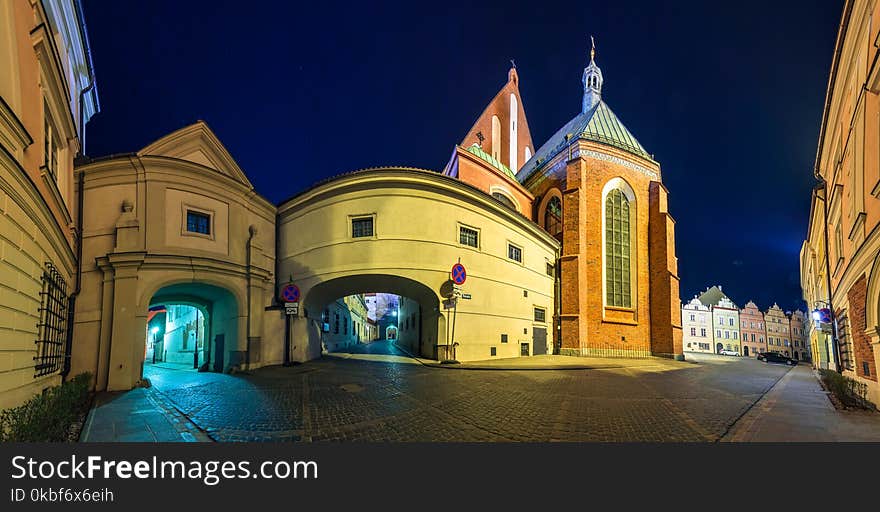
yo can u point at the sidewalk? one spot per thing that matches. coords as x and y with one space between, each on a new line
139 415
556 362
797 409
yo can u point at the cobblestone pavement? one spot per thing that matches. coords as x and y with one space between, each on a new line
347 399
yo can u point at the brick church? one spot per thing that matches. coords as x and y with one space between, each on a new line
600 193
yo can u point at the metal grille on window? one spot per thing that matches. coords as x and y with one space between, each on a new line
362 227
467 236
540 315
617 250
53 323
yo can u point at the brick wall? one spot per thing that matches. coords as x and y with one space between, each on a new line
861 344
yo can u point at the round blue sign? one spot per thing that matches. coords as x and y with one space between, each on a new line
290 293
459 275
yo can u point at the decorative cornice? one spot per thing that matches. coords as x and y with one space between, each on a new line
616 160
12 126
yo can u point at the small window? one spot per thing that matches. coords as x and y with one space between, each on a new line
492 351
551 269
506 201
540 315
468 236
362 227
866 369
50 147
198 222
503 339
514 253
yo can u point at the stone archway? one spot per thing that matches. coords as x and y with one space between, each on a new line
221 313
426 339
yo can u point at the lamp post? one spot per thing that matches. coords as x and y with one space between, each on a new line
823 186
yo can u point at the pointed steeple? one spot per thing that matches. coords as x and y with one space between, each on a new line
592 81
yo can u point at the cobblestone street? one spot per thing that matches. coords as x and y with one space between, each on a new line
350 399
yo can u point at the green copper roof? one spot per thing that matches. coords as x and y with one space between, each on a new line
478 151
597 124
605 127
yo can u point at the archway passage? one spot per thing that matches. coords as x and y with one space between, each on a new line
191 326
400 312
176 336
719 347
745 351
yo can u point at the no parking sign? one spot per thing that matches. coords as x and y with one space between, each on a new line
459 274
290 293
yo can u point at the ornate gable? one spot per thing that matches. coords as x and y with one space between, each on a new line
198 144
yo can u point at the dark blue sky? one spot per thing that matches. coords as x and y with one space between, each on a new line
728 98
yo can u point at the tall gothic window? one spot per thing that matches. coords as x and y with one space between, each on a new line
553 216
617 250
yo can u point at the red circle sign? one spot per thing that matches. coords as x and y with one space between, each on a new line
290 293
459 275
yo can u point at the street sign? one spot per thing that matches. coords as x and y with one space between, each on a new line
291 308
466 296
290 293
459 275
450 303
456 290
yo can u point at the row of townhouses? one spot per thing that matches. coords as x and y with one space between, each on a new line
713 323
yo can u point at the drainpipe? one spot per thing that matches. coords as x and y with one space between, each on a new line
247 355
71 301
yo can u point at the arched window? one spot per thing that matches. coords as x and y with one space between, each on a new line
496 138
617 250
513 137
505 200
553 216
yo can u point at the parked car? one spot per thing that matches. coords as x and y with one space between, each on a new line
726 352
776 357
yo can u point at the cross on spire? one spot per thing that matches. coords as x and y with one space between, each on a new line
592 49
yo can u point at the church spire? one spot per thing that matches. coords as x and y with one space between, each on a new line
592 81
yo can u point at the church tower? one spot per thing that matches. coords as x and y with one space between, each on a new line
601 193
496 147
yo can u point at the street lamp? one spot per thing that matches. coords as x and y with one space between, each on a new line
823 186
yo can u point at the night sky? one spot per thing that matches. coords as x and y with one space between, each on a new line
728 97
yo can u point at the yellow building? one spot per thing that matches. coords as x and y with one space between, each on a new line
177 223
843 243
47 95
400 231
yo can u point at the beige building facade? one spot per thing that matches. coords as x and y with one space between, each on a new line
400 231
47 95
846 203
778 331
696 323
177 222
799 326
